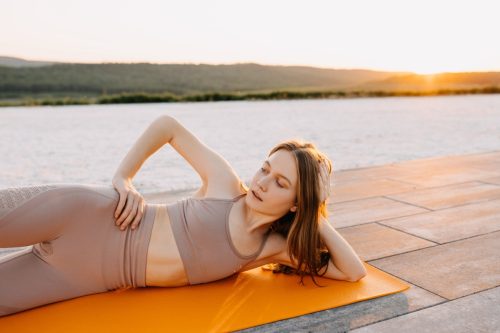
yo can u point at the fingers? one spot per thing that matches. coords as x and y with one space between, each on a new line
133 212
128 201
121 203
138 217
129 212
131 215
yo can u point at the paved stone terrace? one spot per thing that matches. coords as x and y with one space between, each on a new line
434 223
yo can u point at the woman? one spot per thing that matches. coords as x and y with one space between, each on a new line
89 238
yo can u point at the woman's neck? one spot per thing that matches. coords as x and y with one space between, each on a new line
254 222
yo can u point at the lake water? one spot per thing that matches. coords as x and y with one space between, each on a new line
86 144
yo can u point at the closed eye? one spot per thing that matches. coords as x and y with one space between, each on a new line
277 182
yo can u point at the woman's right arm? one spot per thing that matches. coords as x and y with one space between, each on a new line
159 133
130 208
211 166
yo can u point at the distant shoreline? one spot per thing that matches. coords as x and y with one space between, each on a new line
140 97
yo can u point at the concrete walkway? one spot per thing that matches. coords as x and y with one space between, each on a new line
434 223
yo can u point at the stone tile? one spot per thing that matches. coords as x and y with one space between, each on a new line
418 298
344 318
373 241
495 180
469 160
444 170
372 172
451 224
492 166
353 190
440 175
449 196
451 270
476 163
345 214
494 154
474 313
486 161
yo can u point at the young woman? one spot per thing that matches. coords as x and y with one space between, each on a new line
90 238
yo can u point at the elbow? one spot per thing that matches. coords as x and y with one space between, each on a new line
358 277
166 120
168 125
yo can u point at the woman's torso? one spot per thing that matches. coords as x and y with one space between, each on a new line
164 266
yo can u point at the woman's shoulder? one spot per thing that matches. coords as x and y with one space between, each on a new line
274 245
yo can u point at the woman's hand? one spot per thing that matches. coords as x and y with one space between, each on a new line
131 205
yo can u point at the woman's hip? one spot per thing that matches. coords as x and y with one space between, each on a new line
90 246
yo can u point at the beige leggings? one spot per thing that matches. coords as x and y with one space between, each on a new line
77 247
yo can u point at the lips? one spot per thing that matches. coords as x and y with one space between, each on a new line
255 195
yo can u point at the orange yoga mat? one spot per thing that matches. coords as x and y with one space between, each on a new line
248 299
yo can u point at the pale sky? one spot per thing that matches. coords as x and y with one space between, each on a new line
420 36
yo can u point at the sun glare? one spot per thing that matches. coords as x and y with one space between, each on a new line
429 71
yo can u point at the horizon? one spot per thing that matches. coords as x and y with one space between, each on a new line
190 63
236 63
423 37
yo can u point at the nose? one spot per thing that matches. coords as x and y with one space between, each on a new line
261 183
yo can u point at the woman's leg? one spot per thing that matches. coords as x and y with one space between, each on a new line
77 248
26 281
26 219
36 215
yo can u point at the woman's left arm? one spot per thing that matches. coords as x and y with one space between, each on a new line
341 253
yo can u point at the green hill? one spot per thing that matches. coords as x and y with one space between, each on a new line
178 79
31 81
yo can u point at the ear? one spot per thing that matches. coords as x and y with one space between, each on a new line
293 209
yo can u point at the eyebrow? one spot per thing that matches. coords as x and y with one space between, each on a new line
266 161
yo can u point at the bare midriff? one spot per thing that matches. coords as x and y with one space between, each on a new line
164 267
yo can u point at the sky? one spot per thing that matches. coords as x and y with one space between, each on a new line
422 36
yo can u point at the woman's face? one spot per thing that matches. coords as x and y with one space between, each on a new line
275 183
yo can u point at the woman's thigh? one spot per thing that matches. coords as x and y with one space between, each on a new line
28 282
89 247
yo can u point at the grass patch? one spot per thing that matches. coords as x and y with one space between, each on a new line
143 97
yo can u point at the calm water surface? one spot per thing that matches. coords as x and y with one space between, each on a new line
87 143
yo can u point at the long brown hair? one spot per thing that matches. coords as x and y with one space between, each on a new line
300 228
